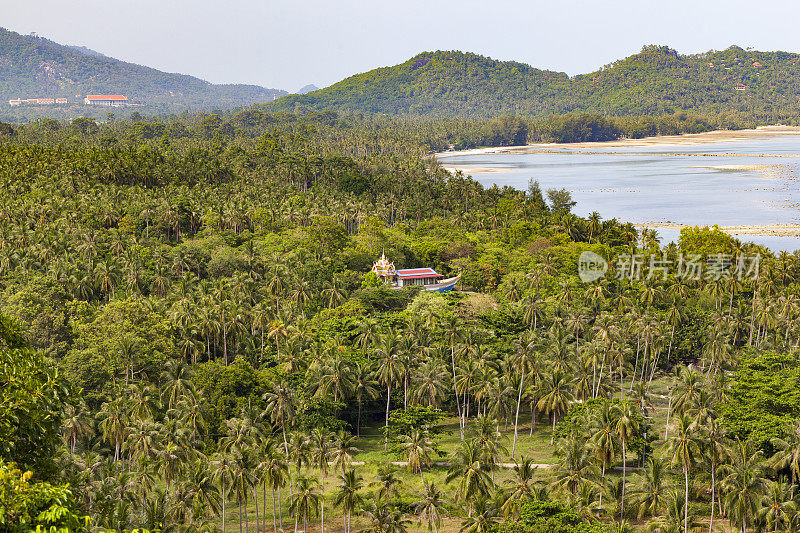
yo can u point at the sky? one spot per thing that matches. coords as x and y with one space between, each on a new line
287 44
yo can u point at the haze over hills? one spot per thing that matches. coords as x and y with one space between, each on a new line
34 67
310 88
658 80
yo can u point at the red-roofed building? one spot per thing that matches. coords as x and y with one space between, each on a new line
417 276
105 99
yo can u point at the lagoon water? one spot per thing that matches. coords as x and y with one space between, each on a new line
731 182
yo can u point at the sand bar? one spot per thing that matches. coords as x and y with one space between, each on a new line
773 230
688 139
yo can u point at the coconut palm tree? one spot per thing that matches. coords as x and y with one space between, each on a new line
472 473
322 445
365 387
605 440
555 399
744 484
575 467
788 455
388 484
390 370
520 487
650 491
626 427
417 448
430 507
347 496
113 423
779 508
343 450
684 448
305 502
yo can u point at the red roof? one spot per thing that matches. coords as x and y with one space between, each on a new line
106 97
417 273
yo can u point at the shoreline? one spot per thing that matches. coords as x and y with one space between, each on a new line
686 139
762 230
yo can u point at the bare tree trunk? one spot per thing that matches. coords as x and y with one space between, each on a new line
516 415
386 436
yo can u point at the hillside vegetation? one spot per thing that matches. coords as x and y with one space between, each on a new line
656 81
33 67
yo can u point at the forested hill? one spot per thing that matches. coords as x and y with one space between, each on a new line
34 67
757 85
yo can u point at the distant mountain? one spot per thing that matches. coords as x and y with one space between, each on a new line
310 88
764 85
34 67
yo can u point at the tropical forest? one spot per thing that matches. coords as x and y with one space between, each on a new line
192 338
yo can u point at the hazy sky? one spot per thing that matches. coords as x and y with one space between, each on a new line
286 44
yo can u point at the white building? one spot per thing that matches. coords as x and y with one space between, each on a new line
105 99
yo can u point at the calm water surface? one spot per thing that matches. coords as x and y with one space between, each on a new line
667 183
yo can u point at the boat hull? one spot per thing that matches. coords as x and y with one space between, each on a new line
446 285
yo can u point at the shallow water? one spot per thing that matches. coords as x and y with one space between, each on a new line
667 183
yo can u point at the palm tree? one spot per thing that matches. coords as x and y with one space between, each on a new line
556 398
520 486
626 428
76 425
365 387
275 472
417 449
347 496
343 450
605 440
744 483
322 445
223 474
429 508
280 409
788 455
778 506
676 518
305 502
431 384
650 492
715 447
383 519
684 448
176 381
113 423
483 519
472 473
574 468
390 369
389 484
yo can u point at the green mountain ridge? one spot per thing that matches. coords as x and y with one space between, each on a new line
34 67
655 81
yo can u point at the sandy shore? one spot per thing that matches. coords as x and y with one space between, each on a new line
688 139
772 230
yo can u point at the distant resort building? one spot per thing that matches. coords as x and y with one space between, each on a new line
428 278
105 99
14 102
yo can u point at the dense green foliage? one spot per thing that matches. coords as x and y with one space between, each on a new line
764 400
34 67
657 81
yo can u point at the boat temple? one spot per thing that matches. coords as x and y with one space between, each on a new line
425 277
